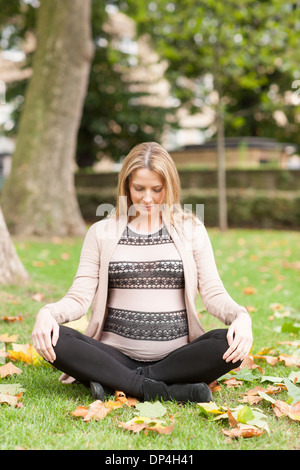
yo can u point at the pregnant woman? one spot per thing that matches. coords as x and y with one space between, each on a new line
141 268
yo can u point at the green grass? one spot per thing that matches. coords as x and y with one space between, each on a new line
261 259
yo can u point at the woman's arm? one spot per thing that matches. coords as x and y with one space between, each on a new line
218 302
78 299
74 304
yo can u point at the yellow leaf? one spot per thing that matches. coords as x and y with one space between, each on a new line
210 407
25 353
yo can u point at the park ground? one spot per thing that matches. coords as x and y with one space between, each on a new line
260 269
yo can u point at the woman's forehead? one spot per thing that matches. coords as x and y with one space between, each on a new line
144 176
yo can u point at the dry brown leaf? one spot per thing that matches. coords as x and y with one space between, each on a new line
81 411
281 408
243 430
132 426
272 360
215 386
252 396
158 427
9 369
289 361
96 411
12 319
233 382
12 400
121 397
232 421
8 339
250 364
249 290
252 399
140 423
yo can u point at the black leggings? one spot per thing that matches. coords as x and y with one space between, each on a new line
87 359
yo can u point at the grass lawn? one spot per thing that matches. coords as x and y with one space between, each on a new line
265 262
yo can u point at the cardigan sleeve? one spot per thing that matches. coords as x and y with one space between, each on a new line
78 299
215 297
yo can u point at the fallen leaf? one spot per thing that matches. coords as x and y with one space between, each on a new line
270 359
12 319
215 386
233 382
161 428
289 361
9 399
111 405
249 290
211 407
121 397
243 430
151 410
140 423
249 363
25 353
11 389
8 339
9 369
96 411
282 408
81 412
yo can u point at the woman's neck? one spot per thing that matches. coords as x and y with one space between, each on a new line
145 224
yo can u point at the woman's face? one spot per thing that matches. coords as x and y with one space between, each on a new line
147 191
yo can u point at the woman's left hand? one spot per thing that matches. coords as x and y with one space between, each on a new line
239 338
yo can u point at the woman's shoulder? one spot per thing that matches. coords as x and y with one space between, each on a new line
107 227
190 227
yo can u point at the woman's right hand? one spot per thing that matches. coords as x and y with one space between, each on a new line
45 334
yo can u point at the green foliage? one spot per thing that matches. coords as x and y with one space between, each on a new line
114 120
250 52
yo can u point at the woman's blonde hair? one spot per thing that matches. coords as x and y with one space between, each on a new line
154 157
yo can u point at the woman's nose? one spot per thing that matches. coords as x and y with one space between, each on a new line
147 198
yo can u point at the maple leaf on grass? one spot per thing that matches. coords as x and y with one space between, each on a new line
12 400
243 430
96 410
121 397
25 353
252 397
246 421
99 410
143 423
8 339
282 408
9 369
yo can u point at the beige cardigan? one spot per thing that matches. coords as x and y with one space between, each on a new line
90 285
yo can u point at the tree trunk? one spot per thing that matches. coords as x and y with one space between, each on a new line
39 196
221 157
12 270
